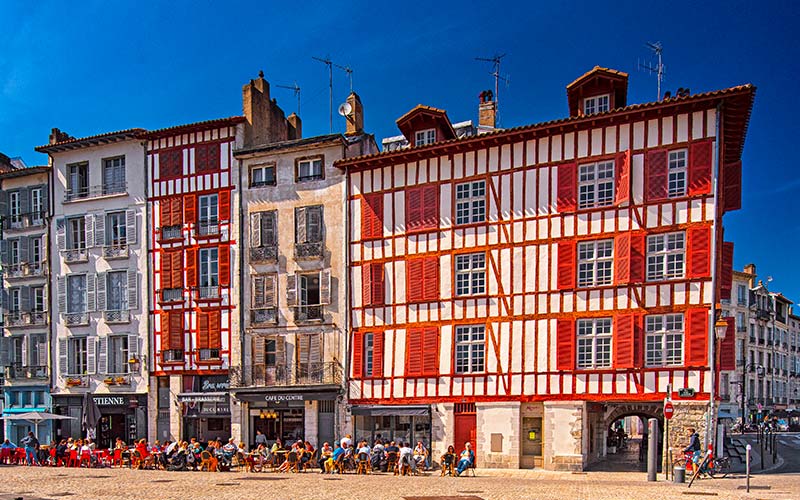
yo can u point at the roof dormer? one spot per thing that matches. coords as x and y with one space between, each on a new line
597 91
425 125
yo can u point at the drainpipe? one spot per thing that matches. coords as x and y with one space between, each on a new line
346 305
148 245
244 422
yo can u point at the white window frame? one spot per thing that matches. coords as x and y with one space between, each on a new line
313 168
208 209
596 184
470 272
37 203
123 290
209 267
369 354
666 256
741 295
118 221
594 343
595 263
14 208
72 233
263 170
78 360
118 355
597 104
470 348
677 172
13 252
471 202
72 278
115 169
37 253
15 300
664 340
39 304
425 137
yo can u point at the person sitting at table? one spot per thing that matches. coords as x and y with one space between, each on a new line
324 454
144 452
72 445
466 459
448 459
378 457
62 452
119 444
8 444
228 451
420 454
338 453
407 458
363 447
308 453
297 449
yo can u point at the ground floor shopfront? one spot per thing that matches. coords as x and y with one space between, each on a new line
19 399
191 406
122 416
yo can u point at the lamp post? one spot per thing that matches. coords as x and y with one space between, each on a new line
759 374
720 331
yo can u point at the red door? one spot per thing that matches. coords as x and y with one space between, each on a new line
466 424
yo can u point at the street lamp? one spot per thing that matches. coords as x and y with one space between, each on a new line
759 374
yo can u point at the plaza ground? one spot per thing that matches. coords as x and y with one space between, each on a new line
33 483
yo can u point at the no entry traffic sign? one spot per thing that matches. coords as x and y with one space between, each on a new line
668 410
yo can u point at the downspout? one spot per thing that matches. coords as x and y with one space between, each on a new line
715 230
243 409
348 260
148 245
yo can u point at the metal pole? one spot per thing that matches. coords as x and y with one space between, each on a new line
747 464
774 447
761 442
667 449
652 449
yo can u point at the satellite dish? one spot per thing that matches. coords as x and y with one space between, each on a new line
345 109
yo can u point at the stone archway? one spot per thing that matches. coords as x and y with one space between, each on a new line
643 410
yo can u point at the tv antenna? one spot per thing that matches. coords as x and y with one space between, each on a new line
296 90
330 64
495 60
659 69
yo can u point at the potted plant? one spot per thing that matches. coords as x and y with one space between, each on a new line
109 381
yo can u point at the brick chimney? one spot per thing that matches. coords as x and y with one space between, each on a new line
57 136
751 270
264 119
295 126
355 119
487 110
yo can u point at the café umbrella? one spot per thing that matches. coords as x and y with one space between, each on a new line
91 415
36 417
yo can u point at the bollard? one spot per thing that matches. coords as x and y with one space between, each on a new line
679 475
774 448
652 449
761 443
747 462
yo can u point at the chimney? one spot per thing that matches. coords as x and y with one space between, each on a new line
57 136
257 110
487 110
751 270
355 119
295 126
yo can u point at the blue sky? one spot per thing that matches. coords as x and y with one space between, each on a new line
93 67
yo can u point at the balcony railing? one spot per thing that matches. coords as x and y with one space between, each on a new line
24 270
265 254
172 356
208 293
763 314
264 316
116 251
15 270
88 192
75 255
171 232
207 228
208 354
171 294
308 313
327 373
77 381
23 221
308 250
76 319
123 316
18 372
15 319
741 328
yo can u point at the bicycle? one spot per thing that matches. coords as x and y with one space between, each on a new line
714 467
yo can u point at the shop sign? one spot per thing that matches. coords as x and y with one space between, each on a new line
278 398
216 383
110 400
202 398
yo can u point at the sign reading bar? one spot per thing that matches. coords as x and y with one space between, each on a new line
202 398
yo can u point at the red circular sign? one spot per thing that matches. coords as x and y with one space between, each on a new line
668 410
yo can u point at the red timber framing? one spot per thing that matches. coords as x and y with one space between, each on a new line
532 300
192 330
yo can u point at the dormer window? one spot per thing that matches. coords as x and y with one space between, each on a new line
596 104
424 137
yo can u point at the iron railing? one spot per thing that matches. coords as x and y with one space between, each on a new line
25 270
76 319
23 221
208 354
308 250
208 292
207 228
172 356
122 316
262 316
88 192
16 371
171 232
171 294
75 255
324 373
116 251
264 254
308 313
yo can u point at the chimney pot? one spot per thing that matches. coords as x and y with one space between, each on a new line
355 120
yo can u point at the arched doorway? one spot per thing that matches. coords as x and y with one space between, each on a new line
625 426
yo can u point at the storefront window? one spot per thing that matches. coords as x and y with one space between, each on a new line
398 428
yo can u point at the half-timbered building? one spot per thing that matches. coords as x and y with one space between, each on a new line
524 288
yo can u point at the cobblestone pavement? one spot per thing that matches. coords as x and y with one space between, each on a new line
110 484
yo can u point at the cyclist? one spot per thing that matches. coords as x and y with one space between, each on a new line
694 446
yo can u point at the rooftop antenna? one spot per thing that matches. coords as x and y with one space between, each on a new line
296 90
659 69
327 61
349 71
497 78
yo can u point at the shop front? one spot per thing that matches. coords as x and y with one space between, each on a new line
205 408
392 423
24 399
122 416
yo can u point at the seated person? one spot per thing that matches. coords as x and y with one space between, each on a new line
227 452
448 459
325 453
62 452
9 444
338 454
308 453
465 459
378 458
407 457
420 454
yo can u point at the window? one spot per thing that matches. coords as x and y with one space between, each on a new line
309 289
741 295
372 291
264 229
116 229
471 202
596 184
423 137
740 322
39 351
664 340
114 175
369 345
76 293
262 175
76 236
209 267
309 170
36 251
422 207
308 224
471 274
14 208
470 348
422 351
77 181
372 216
118 354
271 351
77 362
170 163
595 259
665 256
597 104
15 300
37 203
17 344
207 157
13 251
38 299
676 182
209 210
594 343
117 291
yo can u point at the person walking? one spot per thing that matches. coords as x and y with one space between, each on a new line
31 445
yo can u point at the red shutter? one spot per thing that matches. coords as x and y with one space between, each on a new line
430 206
732 186
566 200
625 341
165 331
700 157
190 208
372 216
358 354
637 256
377 355
177 268
622 257
176 330
224 265
213 156
378 290
656 175
202 330
414 284
430 272
699 252
413 208
225 205
366 284
414 352
565 344
696 337
166 270
623 165
191 267
165 215
215 330
566 265
727 348
430 352
726 275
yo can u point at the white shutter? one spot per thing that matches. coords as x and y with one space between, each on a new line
102 302
102 356
91 292
61 233
46 296
133 290
62 356
25 350
89 228
325 287
300 225
99 230
130 230
61 282
291 290
91 355
255 230
133 346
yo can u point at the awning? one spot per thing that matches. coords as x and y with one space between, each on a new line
728 413
267 396
11 411
203 397
388 411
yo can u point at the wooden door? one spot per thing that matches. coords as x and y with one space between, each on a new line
465 431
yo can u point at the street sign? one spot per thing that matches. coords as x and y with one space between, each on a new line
668 410
686 392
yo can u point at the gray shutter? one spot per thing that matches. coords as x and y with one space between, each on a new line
314 219
24 248
300 225
46 296
130 230
61 233
91 292
25 350
45 205
133 290
133 346
315 348
91 355
99 230
258 291
5 350
24 201
271 290
42 351
302 348
61 282
102 302
102 356
62 357
4 252
291 290
325 287
25 298
255 230
89 228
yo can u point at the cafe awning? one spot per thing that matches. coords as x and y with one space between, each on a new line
388 411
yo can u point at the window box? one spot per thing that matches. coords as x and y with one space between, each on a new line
77 381
264 255
114 317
